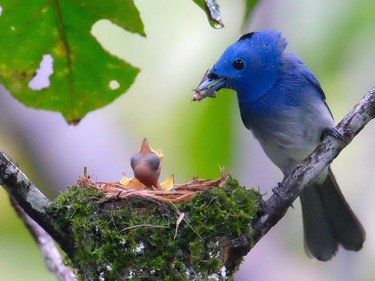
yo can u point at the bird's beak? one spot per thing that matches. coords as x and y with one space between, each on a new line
146 148
208 86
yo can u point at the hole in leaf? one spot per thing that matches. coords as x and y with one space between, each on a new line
41 79
1 10
114 84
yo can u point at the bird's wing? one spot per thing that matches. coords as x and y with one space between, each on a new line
315 83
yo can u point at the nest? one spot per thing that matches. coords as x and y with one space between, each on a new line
179 193
120 233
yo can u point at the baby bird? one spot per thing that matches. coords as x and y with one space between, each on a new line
146 165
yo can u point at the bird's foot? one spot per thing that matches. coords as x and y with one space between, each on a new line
334 133
278 191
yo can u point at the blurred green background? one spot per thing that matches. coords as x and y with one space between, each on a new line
336 39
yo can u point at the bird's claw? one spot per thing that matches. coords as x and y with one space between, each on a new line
333 132
277 190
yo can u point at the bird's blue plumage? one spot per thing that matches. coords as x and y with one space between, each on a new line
283 104
261 57
280 100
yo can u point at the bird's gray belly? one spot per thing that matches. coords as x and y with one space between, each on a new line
286 151
287 140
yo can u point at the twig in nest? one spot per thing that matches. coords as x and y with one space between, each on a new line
179 193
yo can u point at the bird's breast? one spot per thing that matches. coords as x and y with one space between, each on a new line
287 134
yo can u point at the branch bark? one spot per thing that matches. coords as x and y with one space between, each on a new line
31 199
52 256
292 186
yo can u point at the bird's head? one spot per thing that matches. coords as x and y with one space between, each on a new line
250 66
146 156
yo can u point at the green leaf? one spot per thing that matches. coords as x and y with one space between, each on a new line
82 71
212 10
249 7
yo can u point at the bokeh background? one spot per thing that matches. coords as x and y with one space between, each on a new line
336 39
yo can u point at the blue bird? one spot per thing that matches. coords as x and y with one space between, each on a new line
283 105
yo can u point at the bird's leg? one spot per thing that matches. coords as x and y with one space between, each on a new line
333 133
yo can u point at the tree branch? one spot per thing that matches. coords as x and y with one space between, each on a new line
32 201
51 254
292 186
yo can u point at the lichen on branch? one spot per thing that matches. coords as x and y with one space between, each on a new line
31 199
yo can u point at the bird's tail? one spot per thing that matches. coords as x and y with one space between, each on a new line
328 220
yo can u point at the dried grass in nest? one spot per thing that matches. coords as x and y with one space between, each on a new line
179 193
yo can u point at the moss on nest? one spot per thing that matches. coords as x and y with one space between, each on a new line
143 239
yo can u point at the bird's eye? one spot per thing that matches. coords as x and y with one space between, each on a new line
238 64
